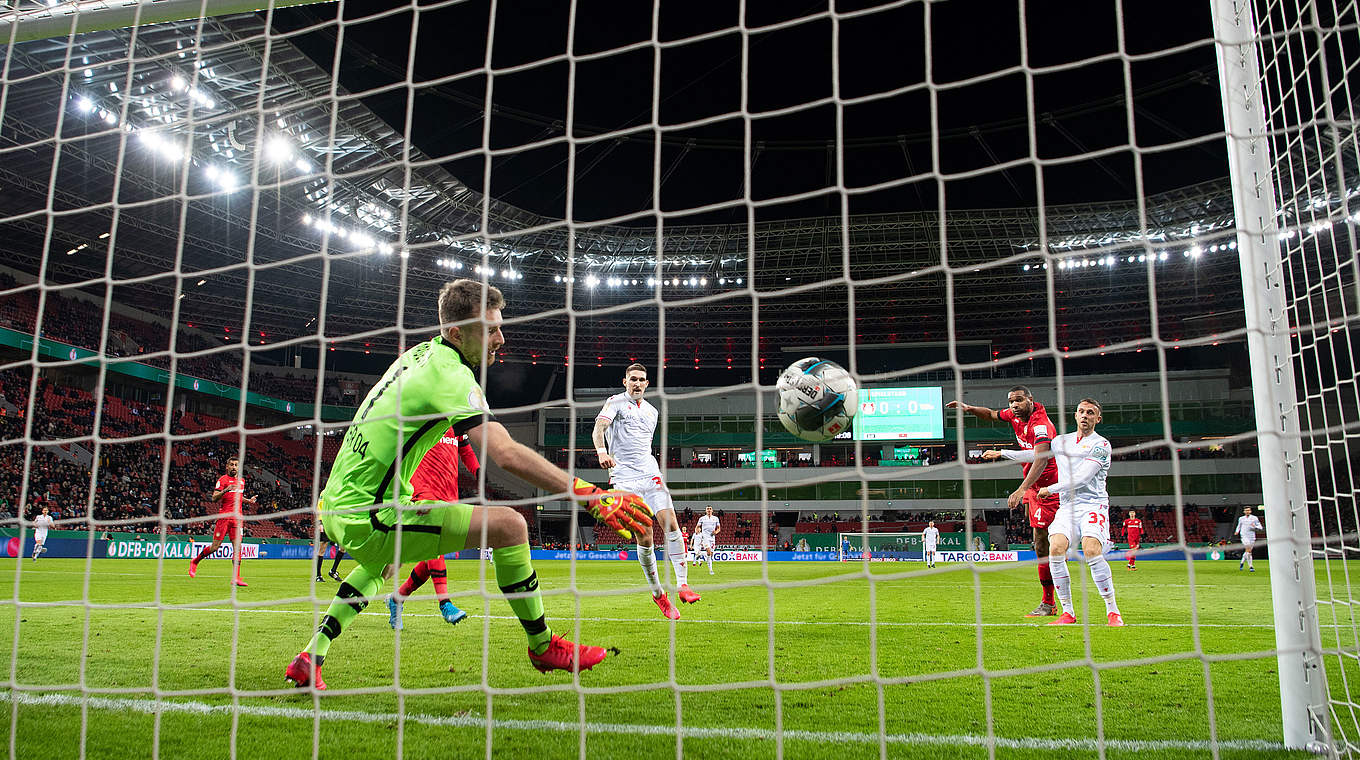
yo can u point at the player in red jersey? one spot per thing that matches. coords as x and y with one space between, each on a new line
1033 430
436 479
1133 533
228 491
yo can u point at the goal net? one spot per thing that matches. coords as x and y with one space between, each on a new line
881 547
221 224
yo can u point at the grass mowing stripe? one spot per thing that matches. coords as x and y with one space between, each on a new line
152 707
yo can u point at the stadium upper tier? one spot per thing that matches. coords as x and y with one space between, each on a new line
219 182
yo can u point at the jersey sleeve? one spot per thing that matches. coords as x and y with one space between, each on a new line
608 411
221 484
1100 453
1042 429
1006 415
468 454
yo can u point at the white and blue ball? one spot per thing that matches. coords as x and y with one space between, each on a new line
817 399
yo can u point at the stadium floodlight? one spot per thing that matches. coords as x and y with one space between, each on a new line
278 149
84 104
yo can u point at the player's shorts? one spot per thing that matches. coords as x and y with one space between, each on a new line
931 548
1082 521
1135 545
225 524
374 539
40 536
703 542
1248 541
1041 511
651 489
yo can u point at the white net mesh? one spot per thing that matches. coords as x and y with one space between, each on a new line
220 228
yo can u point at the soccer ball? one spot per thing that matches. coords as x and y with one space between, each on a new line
817 398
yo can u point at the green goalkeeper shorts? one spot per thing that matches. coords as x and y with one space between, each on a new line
374 539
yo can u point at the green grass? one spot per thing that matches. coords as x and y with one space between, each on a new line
712 672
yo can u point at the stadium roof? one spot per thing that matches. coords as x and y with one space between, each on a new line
341 219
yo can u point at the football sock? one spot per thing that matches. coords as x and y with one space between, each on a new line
339 555
647 558
1046 580
1062 581
349 601
515 575
1251 564
320 557
415 580
203 554
439 575
1100 573
675 550
236 565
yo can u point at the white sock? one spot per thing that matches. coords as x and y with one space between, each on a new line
1100 573
675 550
647 558
1062 581
1251 564
710 561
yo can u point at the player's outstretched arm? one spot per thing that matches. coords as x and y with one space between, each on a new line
622 511
981 412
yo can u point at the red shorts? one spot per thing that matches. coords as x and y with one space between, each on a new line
1041 511
224 524
1135 545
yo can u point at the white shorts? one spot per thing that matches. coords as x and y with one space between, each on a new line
1248 541
40 536
931 548
652 491
1079 520
703 542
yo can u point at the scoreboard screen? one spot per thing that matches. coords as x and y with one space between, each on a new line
900 414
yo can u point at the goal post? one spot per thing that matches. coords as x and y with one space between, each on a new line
884 547
1252 172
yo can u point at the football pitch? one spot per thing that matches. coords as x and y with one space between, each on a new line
894 663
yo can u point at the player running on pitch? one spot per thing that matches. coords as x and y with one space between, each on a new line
1033 431
930 537
228 491
40 525
1247 526
1083 459
368 504
706 536
623 441
436 479
1133 534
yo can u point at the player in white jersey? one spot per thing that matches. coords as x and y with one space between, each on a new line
623 440
705 537
1247 526
1083 459
40 525
931 538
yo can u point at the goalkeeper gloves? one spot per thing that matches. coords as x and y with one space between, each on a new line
623 511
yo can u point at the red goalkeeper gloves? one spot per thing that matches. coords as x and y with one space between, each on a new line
623 511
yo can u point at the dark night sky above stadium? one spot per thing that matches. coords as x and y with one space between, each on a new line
882 136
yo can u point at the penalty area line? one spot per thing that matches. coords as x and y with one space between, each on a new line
152 707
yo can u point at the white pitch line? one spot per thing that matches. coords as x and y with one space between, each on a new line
708 621
152 707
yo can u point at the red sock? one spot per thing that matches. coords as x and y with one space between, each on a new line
203 554
419 574
439 573
238 570
1046 580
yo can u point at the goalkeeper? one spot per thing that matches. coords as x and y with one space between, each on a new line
367 506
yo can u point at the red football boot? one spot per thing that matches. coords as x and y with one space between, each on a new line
299 673
564 655
667 609
1065 619
687 595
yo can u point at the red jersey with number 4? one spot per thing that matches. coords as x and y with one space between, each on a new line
1030 433
436 477
1133 530
231 499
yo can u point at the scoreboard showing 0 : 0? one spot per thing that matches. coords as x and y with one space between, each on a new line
899 414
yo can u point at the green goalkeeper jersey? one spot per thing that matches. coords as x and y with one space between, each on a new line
402 418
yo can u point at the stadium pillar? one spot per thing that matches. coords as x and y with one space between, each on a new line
1303 697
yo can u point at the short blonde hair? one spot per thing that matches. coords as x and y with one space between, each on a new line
461 300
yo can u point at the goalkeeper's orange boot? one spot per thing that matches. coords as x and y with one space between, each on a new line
1065 619
1115 620
667 609
687 595
299 673
564 655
